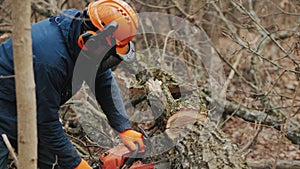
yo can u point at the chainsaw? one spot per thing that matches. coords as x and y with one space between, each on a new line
120 157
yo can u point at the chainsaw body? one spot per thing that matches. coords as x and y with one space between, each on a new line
120 157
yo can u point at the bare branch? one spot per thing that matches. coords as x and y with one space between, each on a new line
231 74
7 77
10 148
281 164
153 6
252 15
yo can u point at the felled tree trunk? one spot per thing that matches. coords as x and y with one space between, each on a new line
186 137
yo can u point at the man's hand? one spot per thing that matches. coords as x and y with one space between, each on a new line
83 165
130 137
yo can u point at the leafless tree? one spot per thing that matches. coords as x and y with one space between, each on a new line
25 85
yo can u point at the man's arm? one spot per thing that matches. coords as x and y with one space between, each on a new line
109 97
52 139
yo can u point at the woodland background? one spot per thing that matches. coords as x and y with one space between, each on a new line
258 43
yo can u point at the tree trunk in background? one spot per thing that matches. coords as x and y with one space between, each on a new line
25 86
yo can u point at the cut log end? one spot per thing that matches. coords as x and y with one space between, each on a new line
183 119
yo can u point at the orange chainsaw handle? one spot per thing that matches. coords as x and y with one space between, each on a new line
121 157
117 157
129 161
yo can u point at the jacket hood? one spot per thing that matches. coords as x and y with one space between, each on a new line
69 22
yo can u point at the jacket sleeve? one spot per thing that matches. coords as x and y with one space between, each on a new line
109 97
49 82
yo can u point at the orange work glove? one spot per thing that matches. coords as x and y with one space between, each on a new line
83 165
129 137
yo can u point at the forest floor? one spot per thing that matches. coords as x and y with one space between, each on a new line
268 146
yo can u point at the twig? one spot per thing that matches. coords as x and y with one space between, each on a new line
7 77
154 6
276 82
10 149
279 147
231 74
250 143
63 4
181 10
230 117
252 15
40 9
165 46
245 45
55 163
4 37
286 125
144 36
229 25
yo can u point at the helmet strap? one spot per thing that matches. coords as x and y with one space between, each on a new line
87 30
87 24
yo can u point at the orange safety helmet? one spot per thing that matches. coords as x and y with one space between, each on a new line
103 12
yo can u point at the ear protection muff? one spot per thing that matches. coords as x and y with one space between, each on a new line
88 28
83 38
106 34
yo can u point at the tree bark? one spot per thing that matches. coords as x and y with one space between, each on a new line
281 164
25 85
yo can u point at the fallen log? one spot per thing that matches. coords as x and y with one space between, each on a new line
186 137
193 142
268 164
269 117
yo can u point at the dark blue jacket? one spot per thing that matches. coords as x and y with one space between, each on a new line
55 52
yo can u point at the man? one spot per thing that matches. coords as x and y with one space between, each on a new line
58 42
